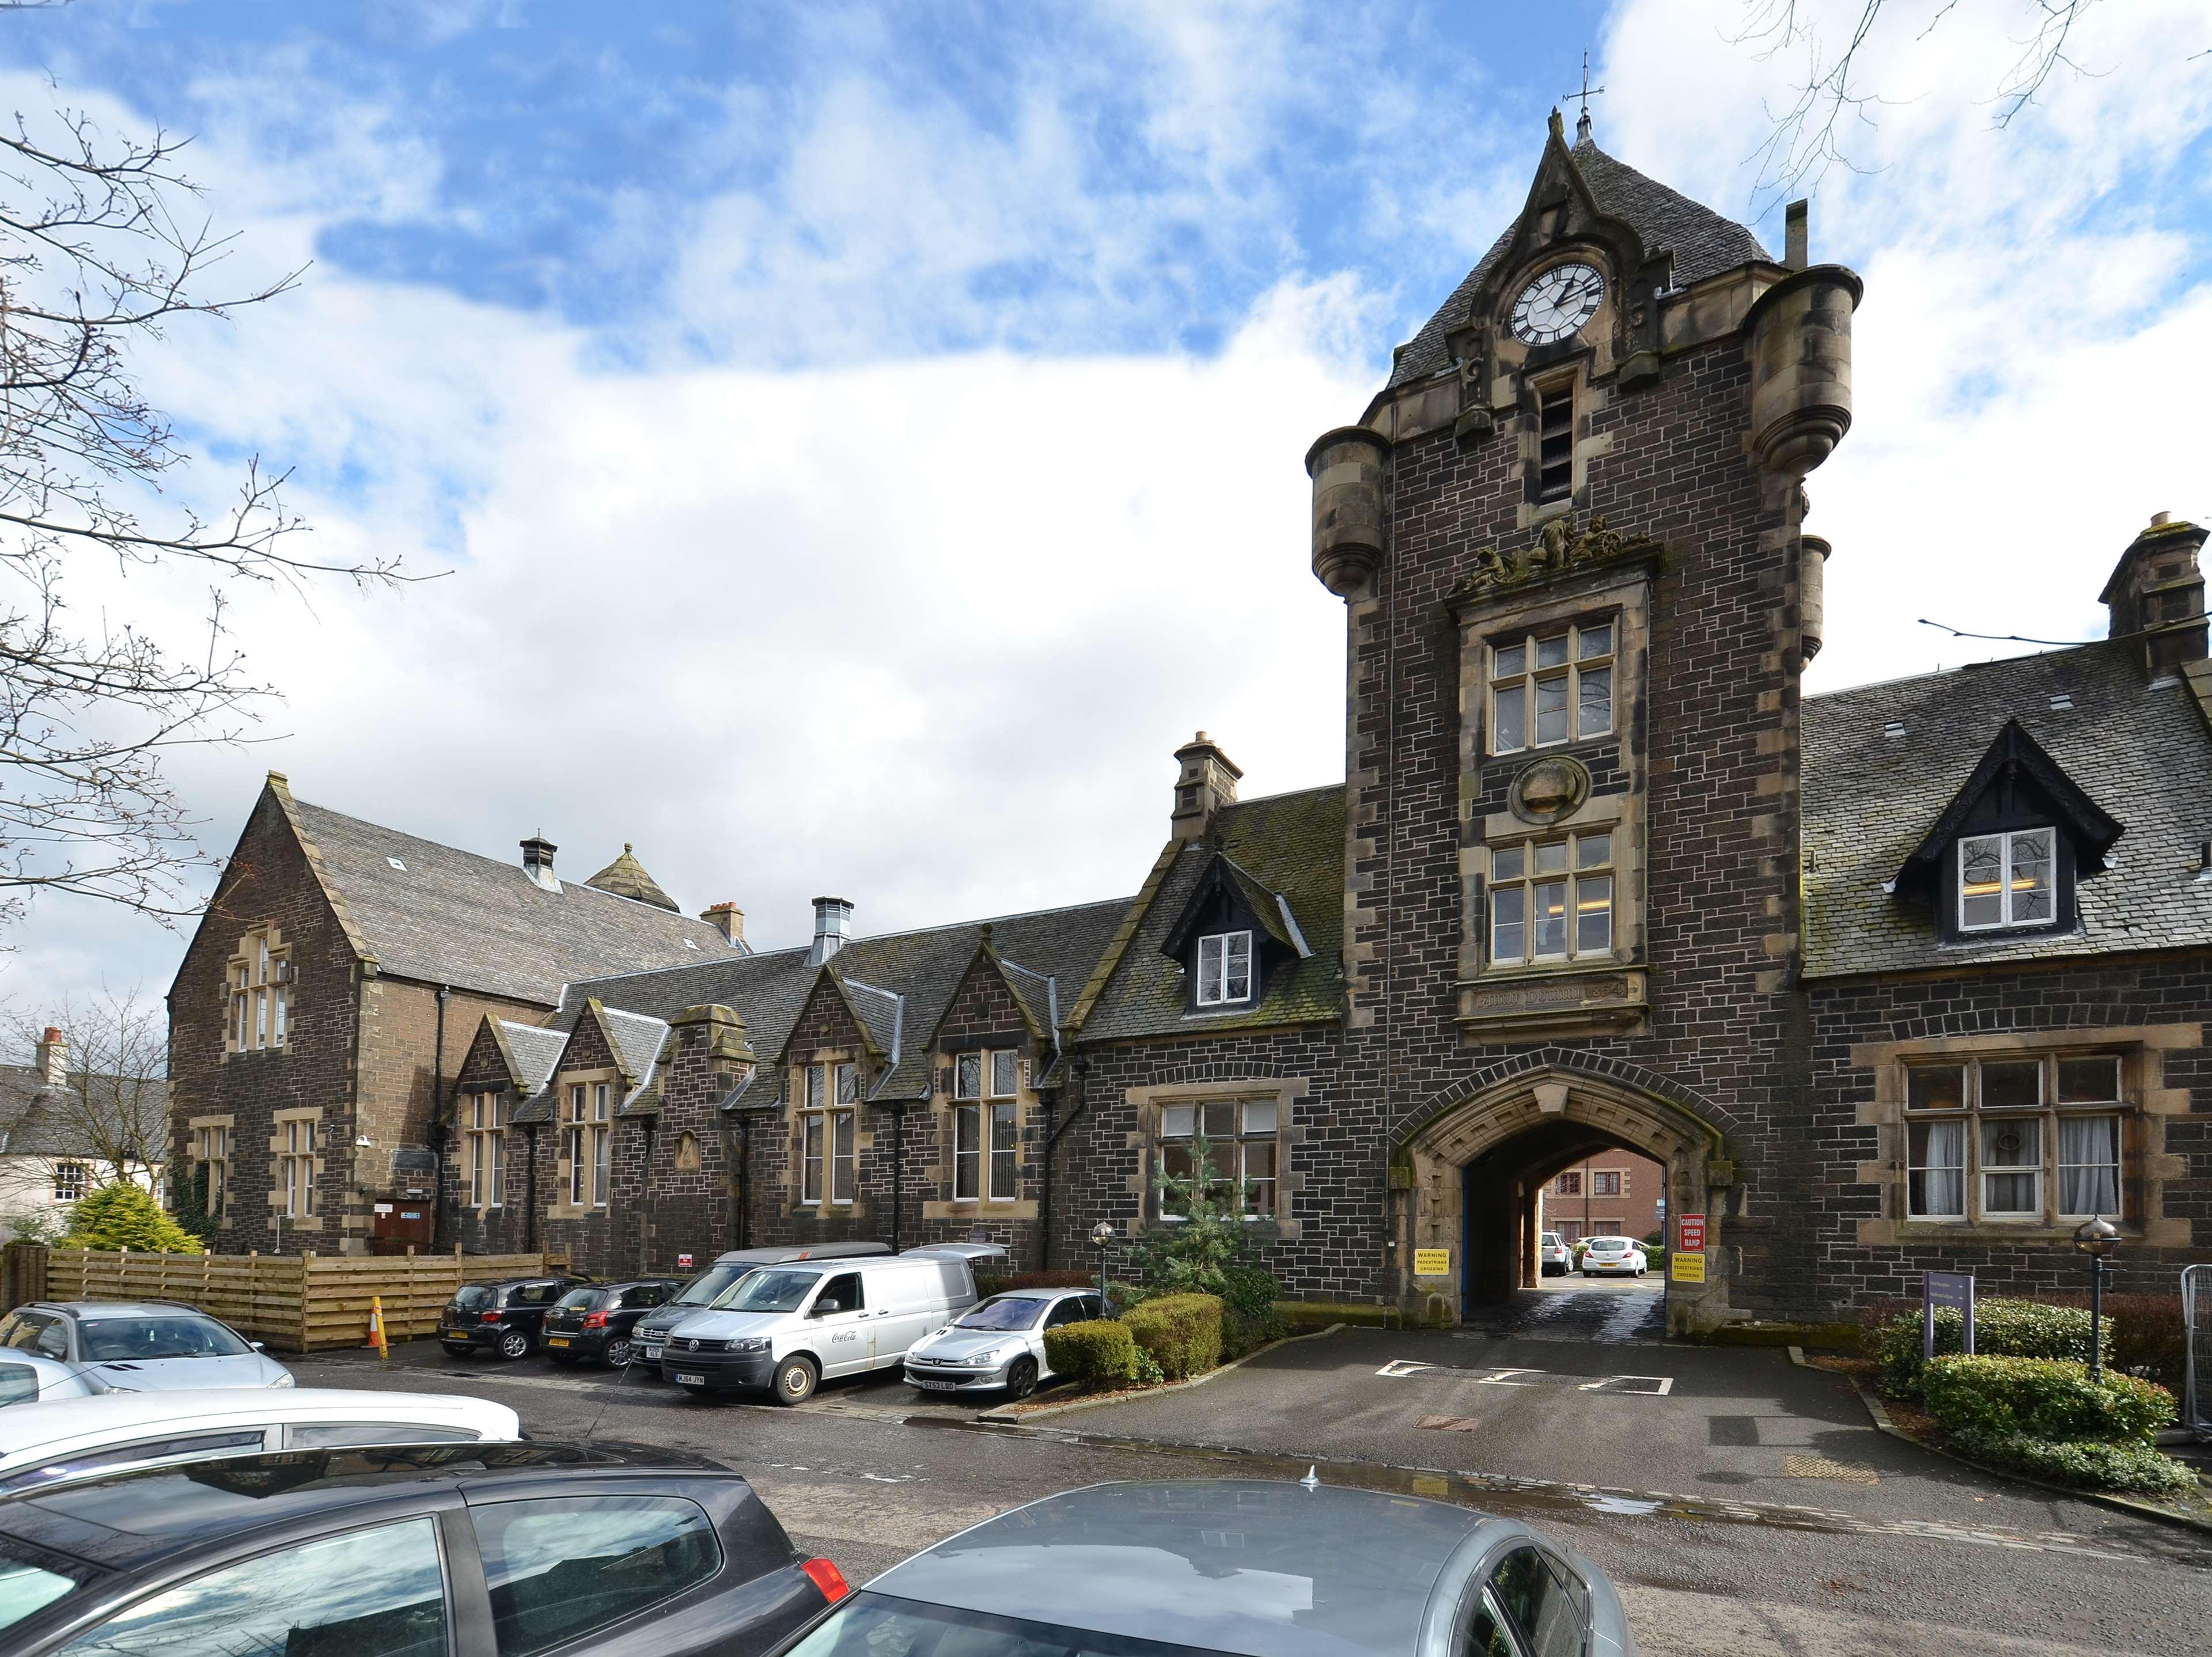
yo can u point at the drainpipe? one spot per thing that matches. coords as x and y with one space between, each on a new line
1081 1068
745 1180
437 1133
530 1189
898 1170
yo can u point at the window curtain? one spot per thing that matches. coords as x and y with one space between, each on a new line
1939 1176
2089 1165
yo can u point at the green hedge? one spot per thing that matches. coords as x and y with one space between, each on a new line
1099 1353
1182 1332
2043 1398
2086 1465
2003 1328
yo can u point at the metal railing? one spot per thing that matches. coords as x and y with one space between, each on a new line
2196 1335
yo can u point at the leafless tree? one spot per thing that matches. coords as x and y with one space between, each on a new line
110 1110
1812 134
103 249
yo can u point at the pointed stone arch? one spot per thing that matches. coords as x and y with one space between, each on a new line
1467 1163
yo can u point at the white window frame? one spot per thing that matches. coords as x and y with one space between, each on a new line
830 1135
258 1019
1011 1059
1258 1123
967 1153
602 1143
1516 879
2044 1170
211 1150
1219 953
295 1167
1005 1172
72 1179
578 1129
2008 885
487 1149
1584 652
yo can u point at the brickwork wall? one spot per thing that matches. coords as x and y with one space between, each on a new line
594 1241
1098 1165
983 1015
1716 725
503 1229
267 880
2076 998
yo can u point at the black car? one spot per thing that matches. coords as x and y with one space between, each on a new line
615 1550
502 1317
592 1324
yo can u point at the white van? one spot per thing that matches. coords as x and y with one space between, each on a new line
789 1328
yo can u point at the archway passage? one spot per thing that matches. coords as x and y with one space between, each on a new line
1476 1167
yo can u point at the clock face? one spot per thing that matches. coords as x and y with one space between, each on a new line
1557 304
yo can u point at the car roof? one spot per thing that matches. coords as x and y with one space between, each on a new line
1243 1566
1037 1294
119 1416
133 1519
785 1256
96 1311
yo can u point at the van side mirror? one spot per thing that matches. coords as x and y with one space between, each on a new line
823 1308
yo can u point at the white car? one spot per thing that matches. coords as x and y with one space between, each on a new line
142 1346
34 1377
1553 1256
90 1437
1613 1256
999 1343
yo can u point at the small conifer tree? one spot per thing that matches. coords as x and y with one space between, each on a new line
124 1215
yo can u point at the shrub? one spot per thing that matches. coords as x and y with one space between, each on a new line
1148 1373
2087 1466
2003 1328
125 1216
1249 1317
1099 1353
989 1284
2042 1397
1182 1332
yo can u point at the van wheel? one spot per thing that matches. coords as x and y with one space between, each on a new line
794 1381
1021 1378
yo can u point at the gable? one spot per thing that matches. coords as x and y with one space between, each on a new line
2015 785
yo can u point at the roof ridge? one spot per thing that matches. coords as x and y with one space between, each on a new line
1963 667
1288 793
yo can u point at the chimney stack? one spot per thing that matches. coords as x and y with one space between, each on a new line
1797 235
53 1059
729 920
538 861
2156 593
1204 782
832 923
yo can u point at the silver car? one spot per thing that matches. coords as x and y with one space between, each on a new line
1235 1566
998 1344
140 1346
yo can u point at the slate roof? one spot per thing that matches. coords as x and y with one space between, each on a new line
37 1119
533 1050
1703 242
451 917
1289 845
626 878
770 991
2142 753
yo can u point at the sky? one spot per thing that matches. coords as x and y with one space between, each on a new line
856 445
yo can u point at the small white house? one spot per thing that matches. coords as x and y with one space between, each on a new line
62 1133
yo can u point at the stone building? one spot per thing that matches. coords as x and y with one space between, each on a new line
1910 976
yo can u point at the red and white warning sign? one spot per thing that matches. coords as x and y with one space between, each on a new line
1690 1233
683 1262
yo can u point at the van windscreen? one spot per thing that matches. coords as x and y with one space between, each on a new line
702 1289
768 1290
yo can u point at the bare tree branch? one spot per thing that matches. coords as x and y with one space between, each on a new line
103 247
109 1111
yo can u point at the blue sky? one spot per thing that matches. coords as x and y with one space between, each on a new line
847 428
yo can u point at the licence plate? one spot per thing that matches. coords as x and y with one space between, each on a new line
556 1340
650 1352
936 1386
456 1334
691 1380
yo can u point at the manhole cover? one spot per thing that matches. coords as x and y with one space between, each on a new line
1819 1466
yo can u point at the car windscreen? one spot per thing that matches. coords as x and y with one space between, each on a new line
769 1291
702 1289
123 1340
868 1624
476 1296
1005 1311
578 1297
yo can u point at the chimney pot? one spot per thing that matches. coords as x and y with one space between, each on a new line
2159 521
728 919
833 922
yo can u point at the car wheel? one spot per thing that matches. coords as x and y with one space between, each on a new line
794 1381
1021 1378
514 1343
618 1353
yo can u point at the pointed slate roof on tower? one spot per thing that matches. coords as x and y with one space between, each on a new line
1703 242
626 878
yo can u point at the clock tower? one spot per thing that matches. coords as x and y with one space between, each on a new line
1569 534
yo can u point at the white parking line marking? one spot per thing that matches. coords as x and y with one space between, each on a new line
1638 1386
1398 1369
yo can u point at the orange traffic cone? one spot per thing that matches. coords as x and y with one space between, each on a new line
376 1328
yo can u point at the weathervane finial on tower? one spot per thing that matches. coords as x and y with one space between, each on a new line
1587 92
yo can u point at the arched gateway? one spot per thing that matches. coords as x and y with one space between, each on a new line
1468 1165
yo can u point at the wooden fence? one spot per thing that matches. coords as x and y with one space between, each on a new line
296 1302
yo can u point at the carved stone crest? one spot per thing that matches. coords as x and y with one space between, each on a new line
1549 790
1558 549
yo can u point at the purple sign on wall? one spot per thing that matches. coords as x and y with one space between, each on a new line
1951 1288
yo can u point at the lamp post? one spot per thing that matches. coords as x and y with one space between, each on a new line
2097 1238
1102 1234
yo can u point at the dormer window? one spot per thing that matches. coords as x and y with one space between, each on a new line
2007 880
1225 969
